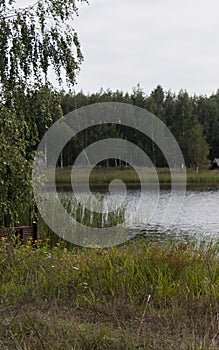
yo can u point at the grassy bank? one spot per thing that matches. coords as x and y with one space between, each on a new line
102 176
136 296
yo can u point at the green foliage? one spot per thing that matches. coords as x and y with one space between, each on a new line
33 112
35 38
14 166
198 149
34 41
59 298
207 110
192 120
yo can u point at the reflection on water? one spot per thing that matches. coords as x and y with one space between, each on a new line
198 217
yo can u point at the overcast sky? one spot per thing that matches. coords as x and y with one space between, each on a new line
173 43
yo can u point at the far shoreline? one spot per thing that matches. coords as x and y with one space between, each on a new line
101 177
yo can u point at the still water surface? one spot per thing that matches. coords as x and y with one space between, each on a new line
197 218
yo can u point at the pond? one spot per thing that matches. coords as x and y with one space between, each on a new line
142 213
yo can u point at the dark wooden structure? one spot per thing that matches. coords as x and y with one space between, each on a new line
23 233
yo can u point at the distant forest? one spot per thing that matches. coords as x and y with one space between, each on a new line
193 120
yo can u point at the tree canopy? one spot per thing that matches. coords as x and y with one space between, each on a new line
192 120
35 39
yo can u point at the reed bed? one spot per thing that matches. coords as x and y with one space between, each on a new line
101 176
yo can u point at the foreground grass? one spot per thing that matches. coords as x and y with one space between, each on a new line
136 296
101 176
